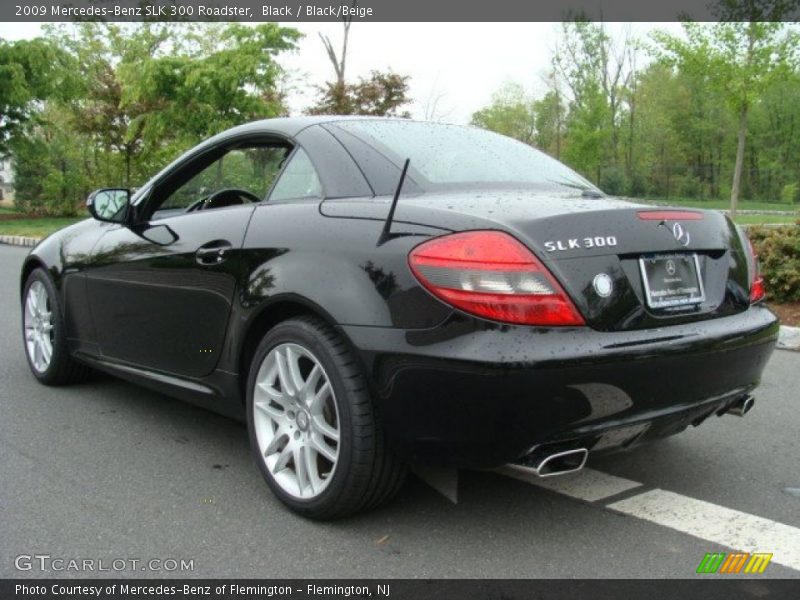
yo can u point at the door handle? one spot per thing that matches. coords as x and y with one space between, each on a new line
213 253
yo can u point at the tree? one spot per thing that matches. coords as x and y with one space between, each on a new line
510 113
50 161
234 81
588 136
549 114
594 68
31 71
433 109
380 94
335 94
741 58
140 95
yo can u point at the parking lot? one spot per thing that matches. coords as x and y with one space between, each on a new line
107 470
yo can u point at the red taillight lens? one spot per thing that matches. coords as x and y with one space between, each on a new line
757 287
492 275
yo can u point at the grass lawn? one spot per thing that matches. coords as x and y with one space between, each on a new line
725 204
766 219
36 227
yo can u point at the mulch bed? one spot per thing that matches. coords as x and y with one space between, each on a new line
789 314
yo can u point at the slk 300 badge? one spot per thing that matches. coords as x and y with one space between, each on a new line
577 243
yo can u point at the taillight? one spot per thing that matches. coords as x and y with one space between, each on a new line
757 287
492 275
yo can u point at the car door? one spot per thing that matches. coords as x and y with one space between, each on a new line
161 290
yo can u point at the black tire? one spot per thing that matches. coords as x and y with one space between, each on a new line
62 369
367 473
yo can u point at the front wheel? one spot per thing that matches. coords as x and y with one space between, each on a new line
314 431
45 334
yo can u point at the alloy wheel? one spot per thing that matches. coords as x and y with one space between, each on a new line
296 420
38 327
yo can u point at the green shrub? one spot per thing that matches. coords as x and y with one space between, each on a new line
778 251
612 182
789 193
689 186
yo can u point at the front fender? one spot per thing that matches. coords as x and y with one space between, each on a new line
66 250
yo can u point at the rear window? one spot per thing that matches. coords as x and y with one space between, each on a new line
456 155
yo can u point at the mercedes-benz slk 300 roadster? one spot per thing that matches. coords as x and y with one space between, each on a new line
373 293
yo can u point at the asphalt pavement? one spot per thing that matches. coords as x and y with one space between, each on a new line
107 470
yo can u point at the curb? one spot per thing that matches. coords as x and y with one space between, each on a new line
19 240
789 338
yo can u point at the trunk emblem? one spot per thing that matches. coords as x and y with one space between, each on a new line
603 285
681 234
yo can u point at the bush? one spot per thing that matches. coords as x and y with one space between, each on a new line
612 182
778 251
689 186
789 193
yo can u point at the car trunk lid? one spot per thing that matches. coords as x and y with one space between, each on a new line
614 258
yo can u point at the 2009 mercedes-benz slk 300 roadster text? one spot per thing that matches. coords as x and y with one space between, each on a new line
371 293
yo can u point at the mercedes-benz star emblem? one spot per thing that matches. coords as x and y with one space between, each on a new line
670 268
681 234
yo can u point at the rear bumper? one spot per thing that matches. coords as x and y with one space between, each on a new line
472 393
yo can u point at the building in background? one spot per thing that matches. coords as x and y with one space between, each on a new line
6 179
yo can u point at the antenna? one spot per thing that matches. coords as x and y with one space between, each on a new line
385 235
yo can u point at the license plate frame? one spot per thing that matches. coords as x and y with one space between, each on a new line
664 296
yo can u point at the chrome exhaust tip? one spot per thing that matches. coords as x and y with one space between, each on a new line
741 406
561 463
556 463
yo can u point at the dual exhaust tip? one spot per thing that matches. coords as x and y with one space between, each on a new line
548 463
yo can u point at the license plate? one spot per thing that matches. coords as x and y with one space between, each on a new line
672 280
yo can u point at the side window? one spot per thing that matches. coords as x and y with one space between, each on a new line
250 168
299 179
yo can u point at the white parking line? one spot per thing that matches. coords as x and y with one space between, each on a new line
724 526
586 484
711 522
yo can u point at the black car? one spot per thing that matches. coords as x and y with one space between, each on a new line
479 305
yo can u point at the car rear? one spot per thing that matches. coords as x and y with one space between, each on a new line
577 320
534 356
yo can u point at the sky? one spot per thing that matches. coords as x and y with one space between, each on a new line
461 64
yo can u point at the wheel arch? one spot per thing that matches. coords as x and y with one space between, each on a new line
270 314
31 263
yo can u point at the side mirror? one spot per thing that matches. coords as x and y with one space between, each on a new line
110 204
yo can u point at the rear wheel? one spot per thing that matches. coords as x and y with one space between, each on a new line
314 431
45 335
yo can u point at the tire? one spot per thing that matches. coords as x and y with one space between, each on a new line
340 422
44 332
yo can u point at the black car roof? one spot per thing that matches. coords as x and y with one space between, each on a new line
291 126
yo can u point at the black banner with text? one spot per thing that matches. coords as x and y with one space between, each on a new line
399 589
388 10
